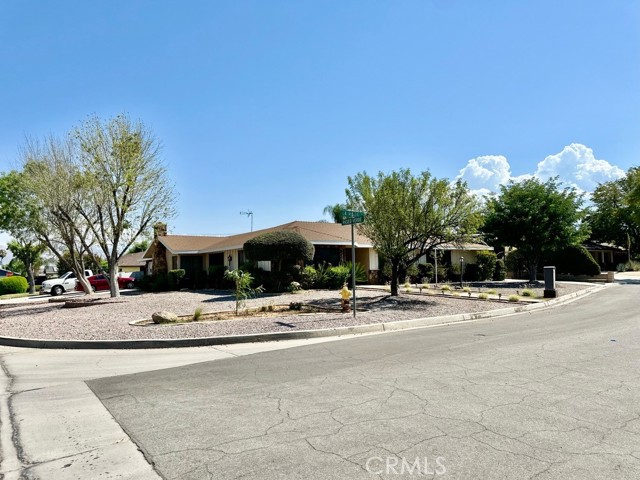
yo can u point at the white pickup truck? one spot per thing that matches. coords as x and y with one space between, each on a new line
65 283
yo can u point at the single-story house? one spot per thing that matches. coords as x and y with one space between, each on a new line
607 255
332 242
132 262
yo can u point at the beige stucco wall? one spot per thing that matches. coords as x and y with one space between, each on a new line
468 255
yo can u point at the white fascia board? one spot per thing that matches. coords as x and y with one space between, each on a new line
340 243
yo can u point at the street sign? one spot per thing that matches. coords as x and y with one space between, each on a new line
351 217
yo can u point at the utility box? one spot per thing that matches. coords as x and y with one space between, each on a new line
550 282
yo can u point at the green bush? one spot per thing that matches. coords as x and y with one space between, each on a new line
486 265
471 273
308 277
337 276
174 277
361 273
575 260
154 283
283 248
425 272
216 277
500 271
14 284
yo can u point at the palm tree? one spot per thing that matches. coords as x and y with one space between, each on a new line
335 211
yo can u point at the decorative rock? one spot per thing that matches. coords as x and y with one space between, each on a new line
164 317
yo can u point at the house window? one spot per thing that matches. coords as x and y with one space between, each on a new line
174 262
264 265
240 257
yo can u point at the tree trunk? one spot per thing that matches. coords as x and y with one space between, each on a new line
533 270
31 277
113 280
86 286
394 279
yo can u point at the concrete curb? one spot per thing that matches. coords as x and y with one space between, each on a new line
300 335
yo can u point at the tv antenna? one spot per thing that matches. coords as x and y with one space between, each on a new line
248 213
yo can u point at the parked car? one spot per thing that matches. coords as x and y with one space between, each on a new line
99 282
65 283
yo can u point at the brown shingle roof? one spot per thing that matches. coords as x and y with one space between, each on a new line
132 260
316 232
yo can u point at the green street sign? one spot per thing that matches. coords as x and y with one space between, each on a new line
351 217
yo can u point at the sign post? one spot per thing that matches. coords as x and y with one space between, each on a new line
352 217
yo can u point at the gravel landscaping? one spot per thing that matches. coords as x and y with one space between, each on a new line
108 319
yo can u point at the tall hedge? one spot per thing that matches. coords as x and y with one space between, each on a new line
14 284
575 260
283 248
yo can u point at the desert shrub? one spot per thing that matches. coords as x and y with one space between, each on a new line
295 306
242 287
528 293
574 260
308 277
197 314
294 287
283 248
514 298
483 296
631 266
446 288
361 272
14 284
322 274
486 265
500 271
175 277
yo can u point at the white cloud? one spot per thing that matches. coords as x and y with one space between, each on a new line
576 165
486 173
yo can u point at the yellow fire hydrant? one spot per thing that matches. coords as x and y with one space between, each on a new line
345 293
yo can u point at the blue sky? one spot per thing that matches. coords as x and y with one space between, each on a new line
269 105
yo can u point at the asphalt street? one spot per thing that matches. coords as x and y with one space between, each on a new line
548 394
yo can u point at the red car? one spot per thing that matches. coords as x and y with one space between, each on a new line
99 282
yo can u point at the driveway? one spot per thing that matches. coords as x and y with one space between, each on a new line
549 394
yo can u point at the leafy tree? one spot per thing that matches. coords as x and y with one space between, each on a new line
283 248
121 161
55 186
536 218
3 253
30 254
17 214
90 260
615 215
140 246
16 266
407 215
335 211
